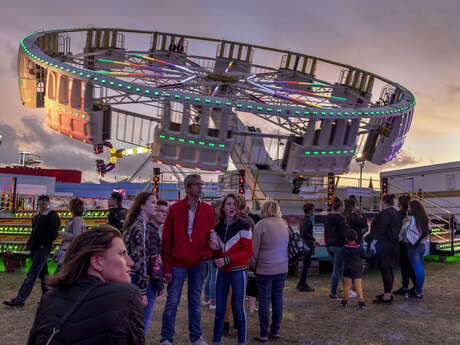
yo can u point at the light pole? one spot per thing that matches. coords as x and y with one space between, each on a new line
360 159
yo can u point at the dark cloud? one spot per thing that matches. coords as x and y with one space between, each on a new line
59 151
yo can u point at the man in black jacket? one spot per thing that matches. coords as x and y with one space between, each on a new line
117 213
306 231
45 227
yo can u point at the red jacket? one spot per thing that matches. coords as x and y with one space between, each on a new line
177 248
236 245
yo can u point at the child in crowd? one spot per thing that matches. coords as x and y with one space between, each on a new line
353 254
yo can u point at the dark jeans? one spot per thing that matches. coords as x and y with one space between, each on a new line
407 271
238 280
335 253
39 268
148 310
195 277
305 267
416 257
387 277
270 290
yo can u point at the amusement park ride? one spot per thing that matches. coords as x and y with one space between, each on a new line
170 95
199 103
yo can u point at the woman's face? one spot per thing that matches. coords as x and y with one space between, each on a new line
150 206
116 263
230 208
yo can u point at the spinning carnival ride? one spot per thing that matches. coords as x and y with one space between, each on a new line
195 102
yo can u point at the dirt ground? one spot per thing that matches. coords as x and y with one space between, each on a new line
309 318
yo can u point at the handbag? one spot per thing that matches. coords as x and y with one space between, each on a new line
411 234
297 248
71 310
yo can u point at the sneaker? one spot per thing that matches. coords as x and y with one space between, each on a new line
212 306
334 298
381 300
14 303
205 303
306 288
361 305
413 295
352 294
165 342
344 303
199 341
401 291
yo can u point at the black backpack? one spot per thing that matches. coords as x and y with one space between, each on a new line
297 248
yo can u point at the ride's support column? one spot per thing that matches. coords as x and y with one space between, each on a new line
156 182
330 190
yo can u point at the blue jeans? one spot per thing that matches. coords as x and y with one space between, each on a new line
238 280
195 277
270 290
210 283
39 268
335 253
148 310
416 257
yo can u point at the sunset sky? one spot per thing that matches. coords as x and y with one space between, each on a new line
415 43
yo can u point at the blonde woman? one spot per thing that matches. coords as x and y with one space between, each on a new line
270 261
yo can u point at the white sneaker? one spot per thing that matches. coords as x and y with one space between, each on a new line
200 341
205 303
352 294
212 306
165 342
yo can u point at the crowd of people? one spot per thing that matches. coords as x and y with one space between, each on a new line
109 278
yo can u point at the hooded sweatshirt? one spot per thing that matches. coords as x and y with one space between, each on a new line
334 230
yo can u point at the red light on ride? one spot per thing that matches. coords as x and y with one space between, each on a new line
241 182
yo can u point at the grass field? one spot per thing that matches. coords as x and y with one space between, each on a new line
309 318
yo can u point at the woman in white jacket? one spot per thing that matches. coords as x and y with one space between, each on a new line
74 227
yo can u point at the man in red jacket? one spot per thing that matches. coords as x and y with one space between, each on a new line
185 247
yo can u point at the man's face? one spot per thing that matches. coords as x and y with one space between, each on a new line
43 205
195 189
113 203
160 214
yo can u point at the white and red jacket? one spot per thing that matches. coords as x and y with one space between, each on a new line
235 241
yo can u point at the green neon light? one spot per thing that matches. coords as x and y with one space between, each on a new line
315 153
239 105
172 138
221 145
218 102
156 93
191 141
307 152
166 94
181 140
176 96
323 152
279 110
228 103
201 142
197 99
259 108
138 89
111 83
129 87
162 136
83 116
212 144
207 101
187 98
147 91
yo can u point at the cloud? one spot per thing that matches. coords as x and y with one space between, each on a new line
453 89
59 151
404 159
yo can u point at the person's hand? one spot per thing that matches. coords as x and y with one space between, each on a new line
160 293
168 278
214 244
144 300
219 262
